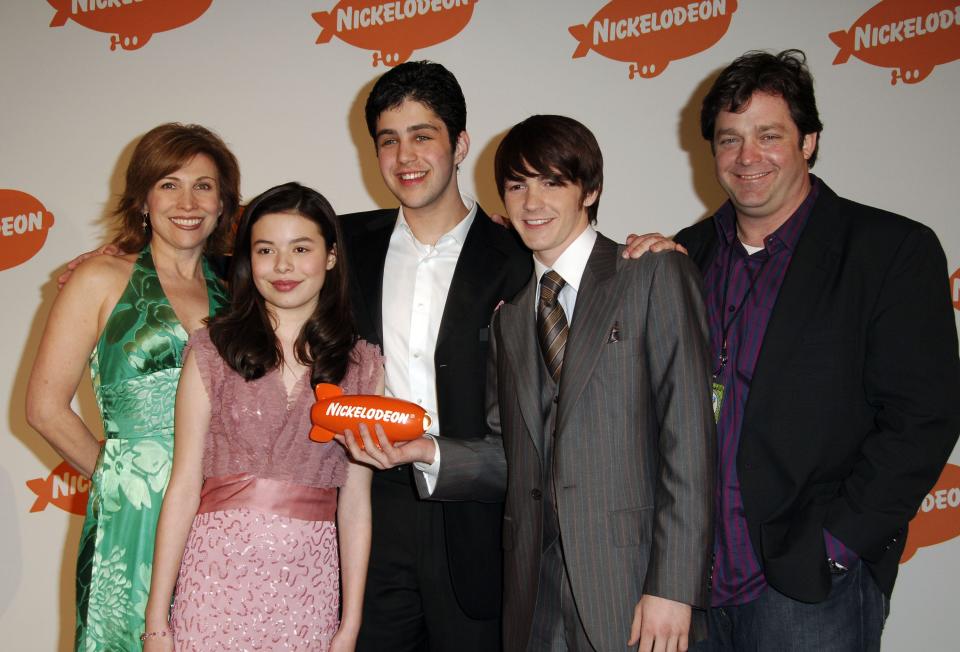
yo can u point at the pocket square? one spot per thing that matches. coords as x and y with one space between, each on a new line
614 333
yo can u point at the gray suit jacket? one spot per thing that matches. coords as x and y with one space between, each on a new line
634 445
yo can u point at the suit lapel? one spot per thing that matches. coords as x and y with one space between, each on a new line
596 302
369 254
519 343
469 286
807 278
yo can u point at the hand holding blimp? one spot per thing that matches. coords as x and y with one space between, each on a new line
398 427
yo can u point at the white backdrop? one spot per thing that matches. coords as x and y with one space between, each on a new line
292 110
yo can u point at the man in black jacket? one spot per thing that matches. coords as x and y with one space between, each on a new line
836 378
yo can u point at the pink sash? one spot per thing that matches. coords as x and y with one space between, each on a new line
268 496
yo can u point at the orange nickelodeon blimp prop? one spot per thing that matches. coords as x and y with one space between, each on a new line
335 412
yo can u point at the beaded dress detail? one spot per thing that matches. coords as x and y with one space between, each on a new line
261 567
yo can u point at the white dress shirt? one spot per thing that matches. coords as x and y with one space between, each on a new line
570 266
416 280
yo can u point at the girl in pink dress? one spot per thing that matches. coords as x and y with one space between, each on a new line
247 545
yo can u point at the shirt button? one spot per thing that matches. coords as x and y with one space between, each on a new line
732 308
536 494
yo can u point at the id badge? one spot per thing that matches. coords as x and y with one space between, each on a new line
717 396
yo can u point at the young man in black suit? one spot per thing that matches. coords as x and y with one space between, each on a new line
426 278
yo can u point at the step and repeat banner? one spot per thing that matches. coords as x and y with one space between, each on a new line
284 84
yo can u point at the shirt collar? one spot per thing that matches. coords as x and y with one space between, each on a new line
786 236
456 235
573 261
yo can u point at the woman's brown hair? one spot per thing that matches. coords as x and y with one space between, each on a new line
162 151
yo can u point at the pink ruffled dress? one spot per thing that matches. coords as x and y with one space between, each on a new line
261 569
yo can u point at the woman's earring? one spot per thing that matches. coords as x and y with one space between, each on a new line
146 216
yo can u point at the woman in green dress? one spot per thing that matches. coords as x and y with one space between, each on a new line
130 316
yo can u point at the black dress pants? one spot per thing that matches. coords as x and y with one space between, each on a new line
409 603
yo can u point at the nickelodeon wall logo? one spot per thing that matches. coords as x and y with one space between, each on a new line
64 487
955 288
130 23
910 36
394 29
938 518
649 35
24 222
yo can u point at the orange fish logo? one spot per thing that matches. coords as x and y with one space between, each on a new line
335 412
23 227
938 518
64 487
955 289
910 36
394 28
130 23
649 35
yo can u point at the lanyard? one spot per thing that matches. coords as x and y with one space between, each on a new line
725 325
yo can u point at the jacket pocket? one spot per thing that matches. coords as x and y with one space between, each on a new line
507 538
630 527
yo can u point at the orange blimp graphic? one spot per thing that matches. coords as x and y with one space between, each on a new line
131 23
393 29
649 35
955 289
910 36
938 518
24 223
335 412
64 488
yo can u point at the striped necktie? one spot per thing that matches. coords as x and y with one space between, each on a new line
552 323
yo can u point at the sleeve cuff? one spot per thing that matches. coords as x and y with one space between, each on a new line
430 471
838 552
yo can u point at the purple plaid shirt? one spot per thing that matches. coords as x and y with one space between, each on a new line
736 278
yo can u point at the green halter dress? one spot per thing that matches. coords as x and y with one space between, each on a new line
135 367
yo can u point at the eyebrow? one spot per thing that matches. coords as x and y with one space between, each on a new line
763 127
176 178
411 128
305 238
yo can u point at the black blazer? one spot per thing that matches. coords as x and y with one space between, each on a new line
854 406
493 266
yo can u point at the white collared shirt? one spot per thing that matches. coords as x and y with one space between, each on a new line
416 281
570 265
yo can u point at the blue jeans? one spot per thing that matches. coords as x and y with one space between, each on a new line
850 620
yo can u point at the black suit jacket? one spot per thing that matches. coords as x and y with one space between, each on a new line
854 406
493 266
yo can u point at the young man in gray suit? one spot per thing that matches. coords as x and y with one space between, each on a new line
604 426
